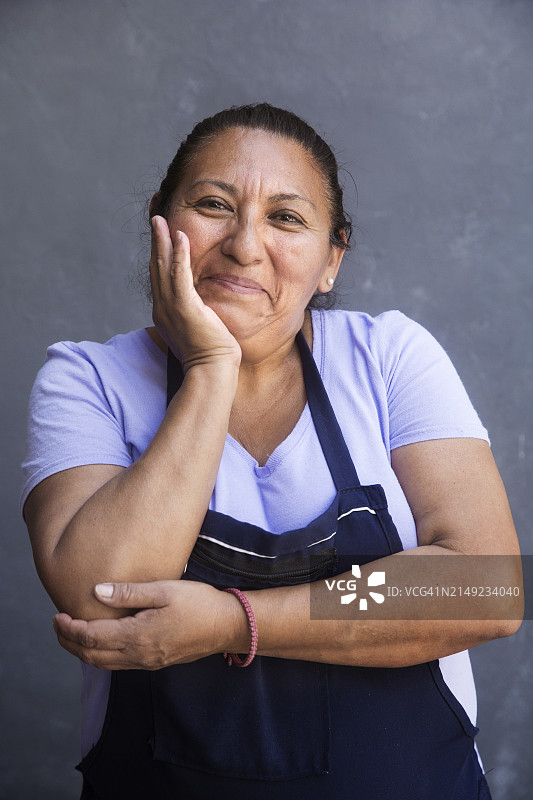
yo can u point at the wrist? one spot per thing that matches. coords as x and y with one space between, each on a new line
219 369
217 377
236 634
236 658
223 360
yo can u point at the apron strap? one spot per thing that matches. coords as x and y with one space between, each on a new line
329 434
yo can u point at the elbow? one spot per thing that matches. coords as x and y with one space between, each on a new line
508 627
502 627
512 615
88 608
513 626
71 593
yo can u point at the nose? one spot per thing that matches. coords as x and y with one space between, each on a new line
244 242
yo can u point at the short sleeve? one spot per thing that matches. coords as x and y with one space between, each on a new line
426 398
70 422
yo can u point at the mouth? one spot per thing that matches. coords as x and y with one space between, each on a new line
236 283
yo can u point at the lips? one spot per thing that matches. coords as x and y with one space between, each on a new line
236 283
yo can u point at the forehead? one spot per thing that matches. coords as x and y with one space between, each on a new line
260 160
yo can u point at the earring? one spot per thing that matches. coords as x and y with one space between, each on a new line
330 281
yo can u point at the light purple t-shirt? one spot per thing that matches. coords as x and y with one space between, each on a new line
390 384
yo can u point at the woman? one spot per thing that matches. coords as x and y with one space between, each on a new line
141 517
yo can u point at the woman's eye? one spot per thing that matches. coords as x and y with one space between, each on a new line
212 204
288 218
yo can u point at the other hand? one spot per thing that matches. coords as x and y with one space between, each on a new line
178 622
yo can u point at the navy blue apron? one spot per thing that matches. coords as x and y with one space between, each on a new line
283 728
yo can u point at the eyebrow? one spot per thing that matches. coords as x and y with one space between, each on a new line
279 198
275 198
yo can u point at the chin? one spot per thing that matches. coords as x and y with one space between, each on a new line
242 323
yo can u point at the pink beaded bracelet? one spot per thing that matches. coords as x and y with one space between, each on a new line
233 658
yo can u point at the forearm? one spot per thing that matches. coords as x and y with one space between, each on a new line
287 629
142 524
183 621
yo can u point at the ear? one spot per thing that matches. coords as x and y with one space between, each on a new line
331 271
154 202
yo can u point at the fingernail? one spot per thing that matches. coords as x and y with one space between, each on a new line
104 589
179 236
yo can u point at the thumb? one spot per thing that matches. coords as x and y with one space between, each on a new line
133 595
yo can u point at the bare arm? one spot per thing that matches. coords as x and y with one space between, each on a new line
460 507
102 522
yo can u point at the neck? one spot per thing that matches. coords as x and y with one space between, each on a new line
267 358
270 397
270 393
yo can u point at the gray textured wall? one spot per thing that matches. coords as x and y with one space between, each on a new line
429 105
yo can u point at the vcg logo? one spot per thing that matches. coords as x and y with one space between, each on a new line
350 586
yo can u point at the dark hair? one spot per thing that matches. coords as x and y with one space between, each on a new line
280 122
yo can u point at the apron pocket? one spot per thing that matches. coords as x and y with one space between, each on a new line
267 722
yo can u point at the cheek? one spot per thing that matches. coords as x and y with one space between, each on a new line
292 254
183 222
299 265
199 234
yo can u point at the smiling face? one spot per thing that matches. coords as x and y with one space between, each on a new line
254 208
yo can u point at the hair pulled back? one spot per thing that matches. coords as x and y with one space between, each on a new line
280 122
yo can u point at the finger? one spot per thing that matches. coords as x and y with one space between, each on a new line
161 256
102 659
182 283
98 634
97 658
97 643
134 595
